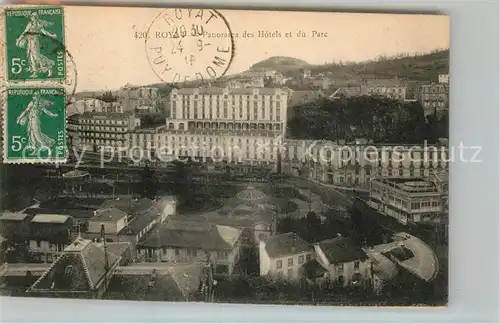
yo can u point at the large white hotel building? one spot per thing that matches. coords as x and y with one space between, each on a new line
237 126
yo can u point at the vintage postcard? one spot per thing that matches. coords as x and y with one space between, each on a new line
225 156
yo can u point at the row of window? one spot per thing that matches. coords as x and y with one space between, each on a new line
431 89
218 97
193 252
103 121
197 113
385 90
300 260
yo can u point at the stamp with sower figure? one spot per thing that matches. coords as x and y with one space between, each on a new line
35 125
35 44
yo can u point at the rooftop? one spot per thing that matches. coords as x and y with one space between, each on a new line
410 184
75 174
286 244
341 249
128 204
80 268
222 132
8 216
144 287
251 194
110 214
105 115
50 218
192 235
220 91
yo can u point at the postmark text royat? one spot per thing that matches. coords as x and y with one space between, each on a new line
178 51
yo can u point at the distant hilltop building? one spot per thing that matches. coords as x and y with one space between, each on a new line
141 100
89 105
246 82
390 88
444 78
223 124
434 97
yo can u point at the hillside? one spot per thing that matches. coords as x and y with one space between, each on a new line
417 67
279 63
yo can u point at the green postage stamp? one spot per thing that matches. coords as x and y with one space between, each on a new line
35 125
35 47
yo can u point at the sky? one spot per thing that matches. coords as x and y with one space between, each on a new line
107 55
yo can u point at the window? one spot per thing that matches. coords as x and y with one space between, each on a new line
301 259
164 250
340 267
177 252
356 265
222 255
279 264
308 257
38 244
191 252
290 262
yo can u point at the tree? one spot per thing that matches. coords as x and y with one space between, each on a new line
149 185
107 97
376 118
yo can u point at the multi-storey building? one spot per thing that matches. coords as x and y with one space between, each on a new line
390 88
93 131
355 164
141 100
142 144
284 255
345 262
221 124
434 97
416 200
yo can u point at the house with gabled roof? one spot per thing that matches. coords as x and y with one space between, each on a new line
49 236
284 255
189 241
343 261
83 270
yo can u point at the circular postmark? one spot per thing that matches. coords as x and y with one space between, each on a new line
186 45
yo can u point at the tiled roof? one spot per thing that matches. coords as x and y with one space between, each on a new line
286 244
128 204
108 214
137 287
80 268
342 249
188 235
141 220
